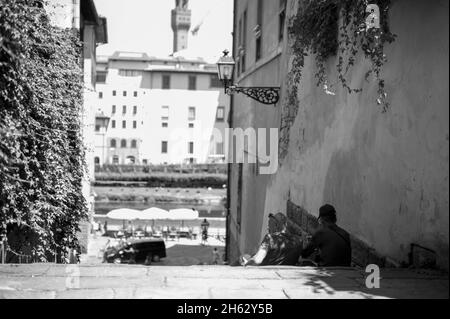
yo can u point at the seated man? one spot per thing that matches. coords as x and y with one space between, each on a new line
279 246
330 241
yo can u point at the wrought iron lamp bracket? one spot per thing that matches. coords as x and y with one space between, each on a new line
265 95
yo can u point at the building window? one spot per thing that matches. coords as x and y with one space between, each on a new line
113 109
123 143
191 125
191 147
219 149
281 20
124 124
114 93
192 82
258 30
100 77
191 113
165 124
244 42
100 95
135 110
113 124
164 147
124 109
135 124
97 128
135 94
166 81
113 143
125 72
215 82
115 159
145 162
133 144
165 113
97 160
124 93
220 117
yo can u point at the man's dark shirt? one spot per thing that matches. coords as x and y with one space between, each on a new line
282 249
334 246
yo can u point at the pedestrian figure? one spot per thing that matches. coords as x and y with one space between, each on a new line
330 242
279 247
204 227
216 256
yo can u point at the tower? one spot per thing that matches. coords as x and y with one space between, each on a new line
181 23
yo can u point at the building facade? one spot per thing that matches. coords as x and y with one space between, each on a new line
161 110
386 173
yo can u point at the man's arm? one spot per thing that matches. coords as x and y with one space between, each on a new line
258 258
312 246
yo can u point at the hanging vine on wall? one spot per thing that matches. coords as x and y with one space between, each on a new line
326 28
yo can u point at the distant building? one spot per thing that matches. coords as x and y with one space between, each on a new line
160 110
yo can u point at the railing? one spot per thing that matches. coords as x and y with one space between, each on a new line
187 169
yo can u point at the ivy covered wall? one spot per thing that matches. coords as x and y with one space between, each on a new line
41 148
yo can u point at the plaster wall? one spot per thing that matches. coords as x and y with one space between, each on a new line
386 173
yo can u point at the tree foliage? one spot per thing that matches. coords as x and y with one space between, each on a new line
41 148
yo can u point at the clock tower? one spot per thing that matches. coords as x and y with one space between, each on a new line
181 23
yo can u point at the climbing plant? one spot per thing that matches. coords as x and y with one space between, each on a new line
41 148
326 28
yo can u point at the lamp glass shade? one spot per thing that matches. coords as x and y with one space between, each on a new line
225 68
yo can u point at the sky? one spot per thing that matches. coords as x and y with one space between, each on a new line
145 26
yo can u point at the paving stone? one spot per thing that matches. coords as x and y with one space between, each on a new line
213 282
41 283
85 294
313 293
171 293
125 281
233 293
27 294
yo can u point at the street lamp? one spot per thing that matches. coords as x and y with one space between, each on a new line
265 95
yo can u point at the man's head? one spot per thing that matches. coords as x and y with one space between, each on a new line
327 214
277 223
